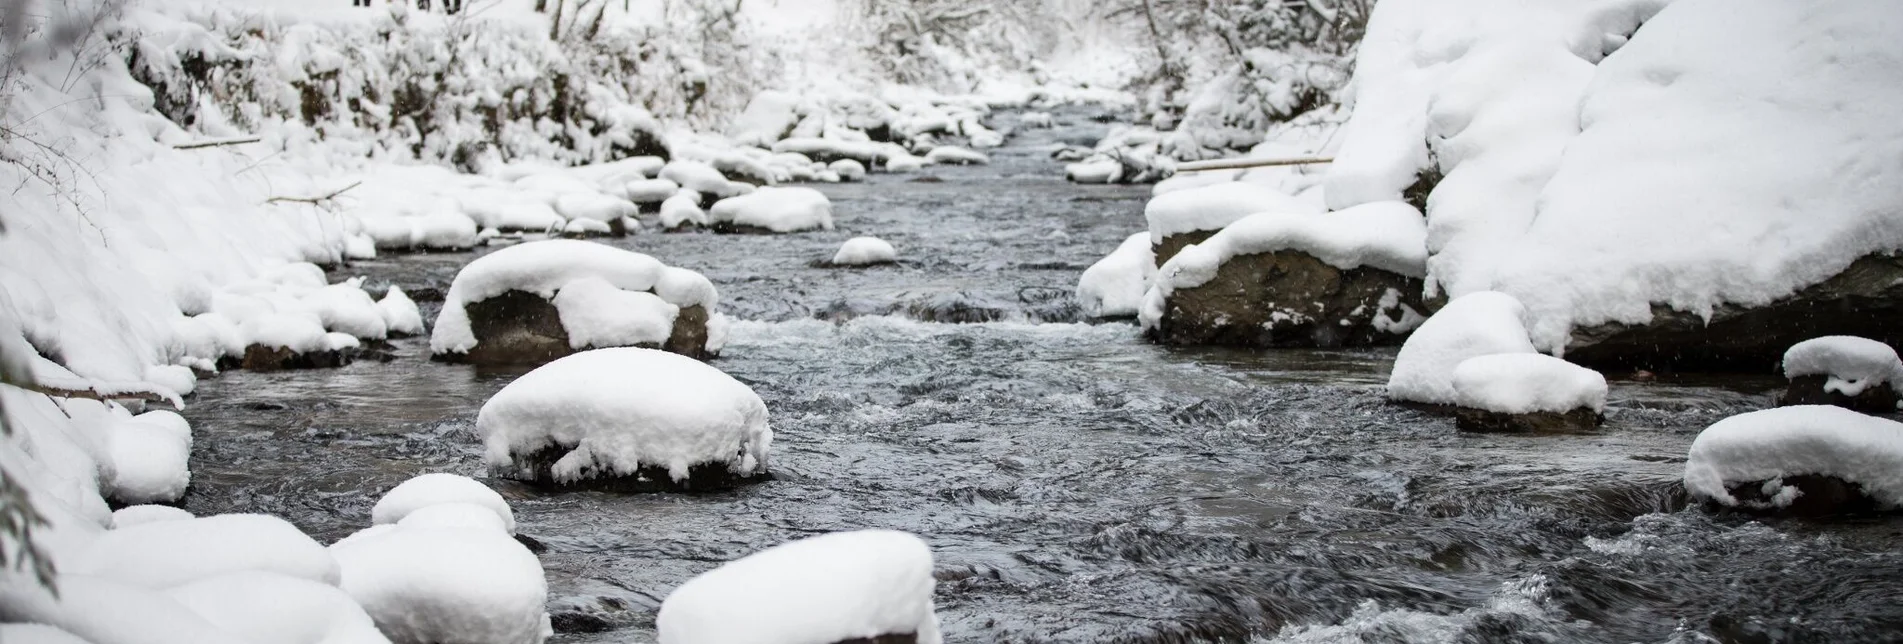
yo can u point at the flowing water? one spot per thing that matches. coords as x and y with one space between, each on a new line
1075 483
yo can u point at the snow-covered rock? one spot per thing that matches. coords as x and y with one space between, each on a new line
649 191
699 177
848 169
1523 392
1183 217
587 228
108 611
1114 286
1277 279
863 251
271 608
163 554
682 209
537 301
1847 371
346 308
1094 171
1806 459
423 584
136 514
776 210
456 515
400 313
626 417
844 586
438 488
903 163
1476 324
954 155
150 455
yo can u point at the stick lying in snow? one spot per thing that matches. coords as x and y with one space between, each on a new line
1230 164
314 200
96 393
215 143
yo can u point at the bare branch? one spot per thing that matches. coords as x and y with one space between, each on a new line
315 201
216 142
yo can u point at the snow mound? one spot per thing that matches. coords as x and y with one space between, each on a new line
345 308
106 611
37 634
546 268
596 314
1524 383
132 515
278 609
1114 286
435 489
861 251
1215 206
619 410
780 210
834 587
954 155
1791 441
651 190
1850 364
456 515
400 314
1476 324
150 455
699 177
164 554
682 209
432 584
903 163
848 169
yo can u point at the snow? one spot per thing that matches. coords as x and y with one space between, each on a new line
1789 441
299 333
698 177
456 515
150 456
903 163
550 266
1215 206
1849 363
596 314
104 611
37 634
625 408
345 308
954 155
441 584
1114 286
270 608
179 379
585 227
829 588
848 169
1476 324
593 206
861 251
1107 171
137 514
1524 383
651 190
440 488
682 209
164 554
780 210
400 314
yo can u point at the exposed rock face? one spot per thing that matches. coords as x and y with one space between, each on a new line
1291 299
1818 495
1809 390
1864 300
1481 420
258 357
521 328
535 468
1173 244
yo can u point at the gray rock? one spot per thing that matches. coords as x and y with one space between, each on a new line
1289 299
1809 390
1539 422
522 328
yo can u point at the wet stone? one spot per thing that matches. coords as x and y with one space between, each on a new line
1818 495
534 468
1879 398
258 357
1289 299
522 328
1539 422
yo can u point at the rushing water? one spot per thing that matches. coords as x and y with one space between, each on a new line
1077 484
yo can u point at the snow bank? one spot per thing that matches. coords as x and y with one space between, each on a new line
164 554
780 210
1789 441
105 611
279 609
1212 207
150 456
1477 324
1524 383
619 410
830 588
137 514
439 488
547 268
861 251
433 584
1850 364
1114 286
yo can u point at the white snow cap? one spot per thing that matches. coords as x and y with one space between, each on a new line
596 314
1850 364
109 611
652 190
625 408
1476 324
860 251
781 210
547 267
954 155
699 177
163 554
1114 285
150 456
434 584
279 609
1789 441
1216 206
682 209
829 588
848 169
400 314
1523 383
456 515
438 488
132 515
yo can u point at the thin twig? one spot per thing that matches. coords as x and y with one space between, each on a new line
95 394
1230 164
315 201
216 143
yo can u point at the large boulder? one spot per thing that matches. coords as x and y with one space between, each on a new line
535 302
1807 460
1350 278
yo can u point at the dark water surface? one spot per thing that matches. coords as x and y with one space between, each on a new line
1075 483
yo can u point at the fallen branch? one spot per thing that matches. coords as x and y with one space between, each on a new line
1231 164
216 142
315 201
101 396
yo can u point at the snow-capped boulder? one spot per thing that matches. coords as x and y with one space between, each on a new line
439 488
650 192
107 611
699 177
132 515
682 210
584 228
832 150
903 163
150 455
1036 120
848 170
1476 324
865 251
163 554
1183 217
954 155
346 308
293 341
1114 286
279 609
773 210
1349 278
858 587
1803 460
1526 392
626 418
534 302
400 313
1846 371
423 584
1094 171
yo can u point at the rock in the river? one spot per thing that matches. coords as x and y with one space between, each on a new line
1476 324
865 587
1808 460
865 251
1350 278
629 419
534 302
1846 371
1113 287
773 210
1183 217
1527 392
428 584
